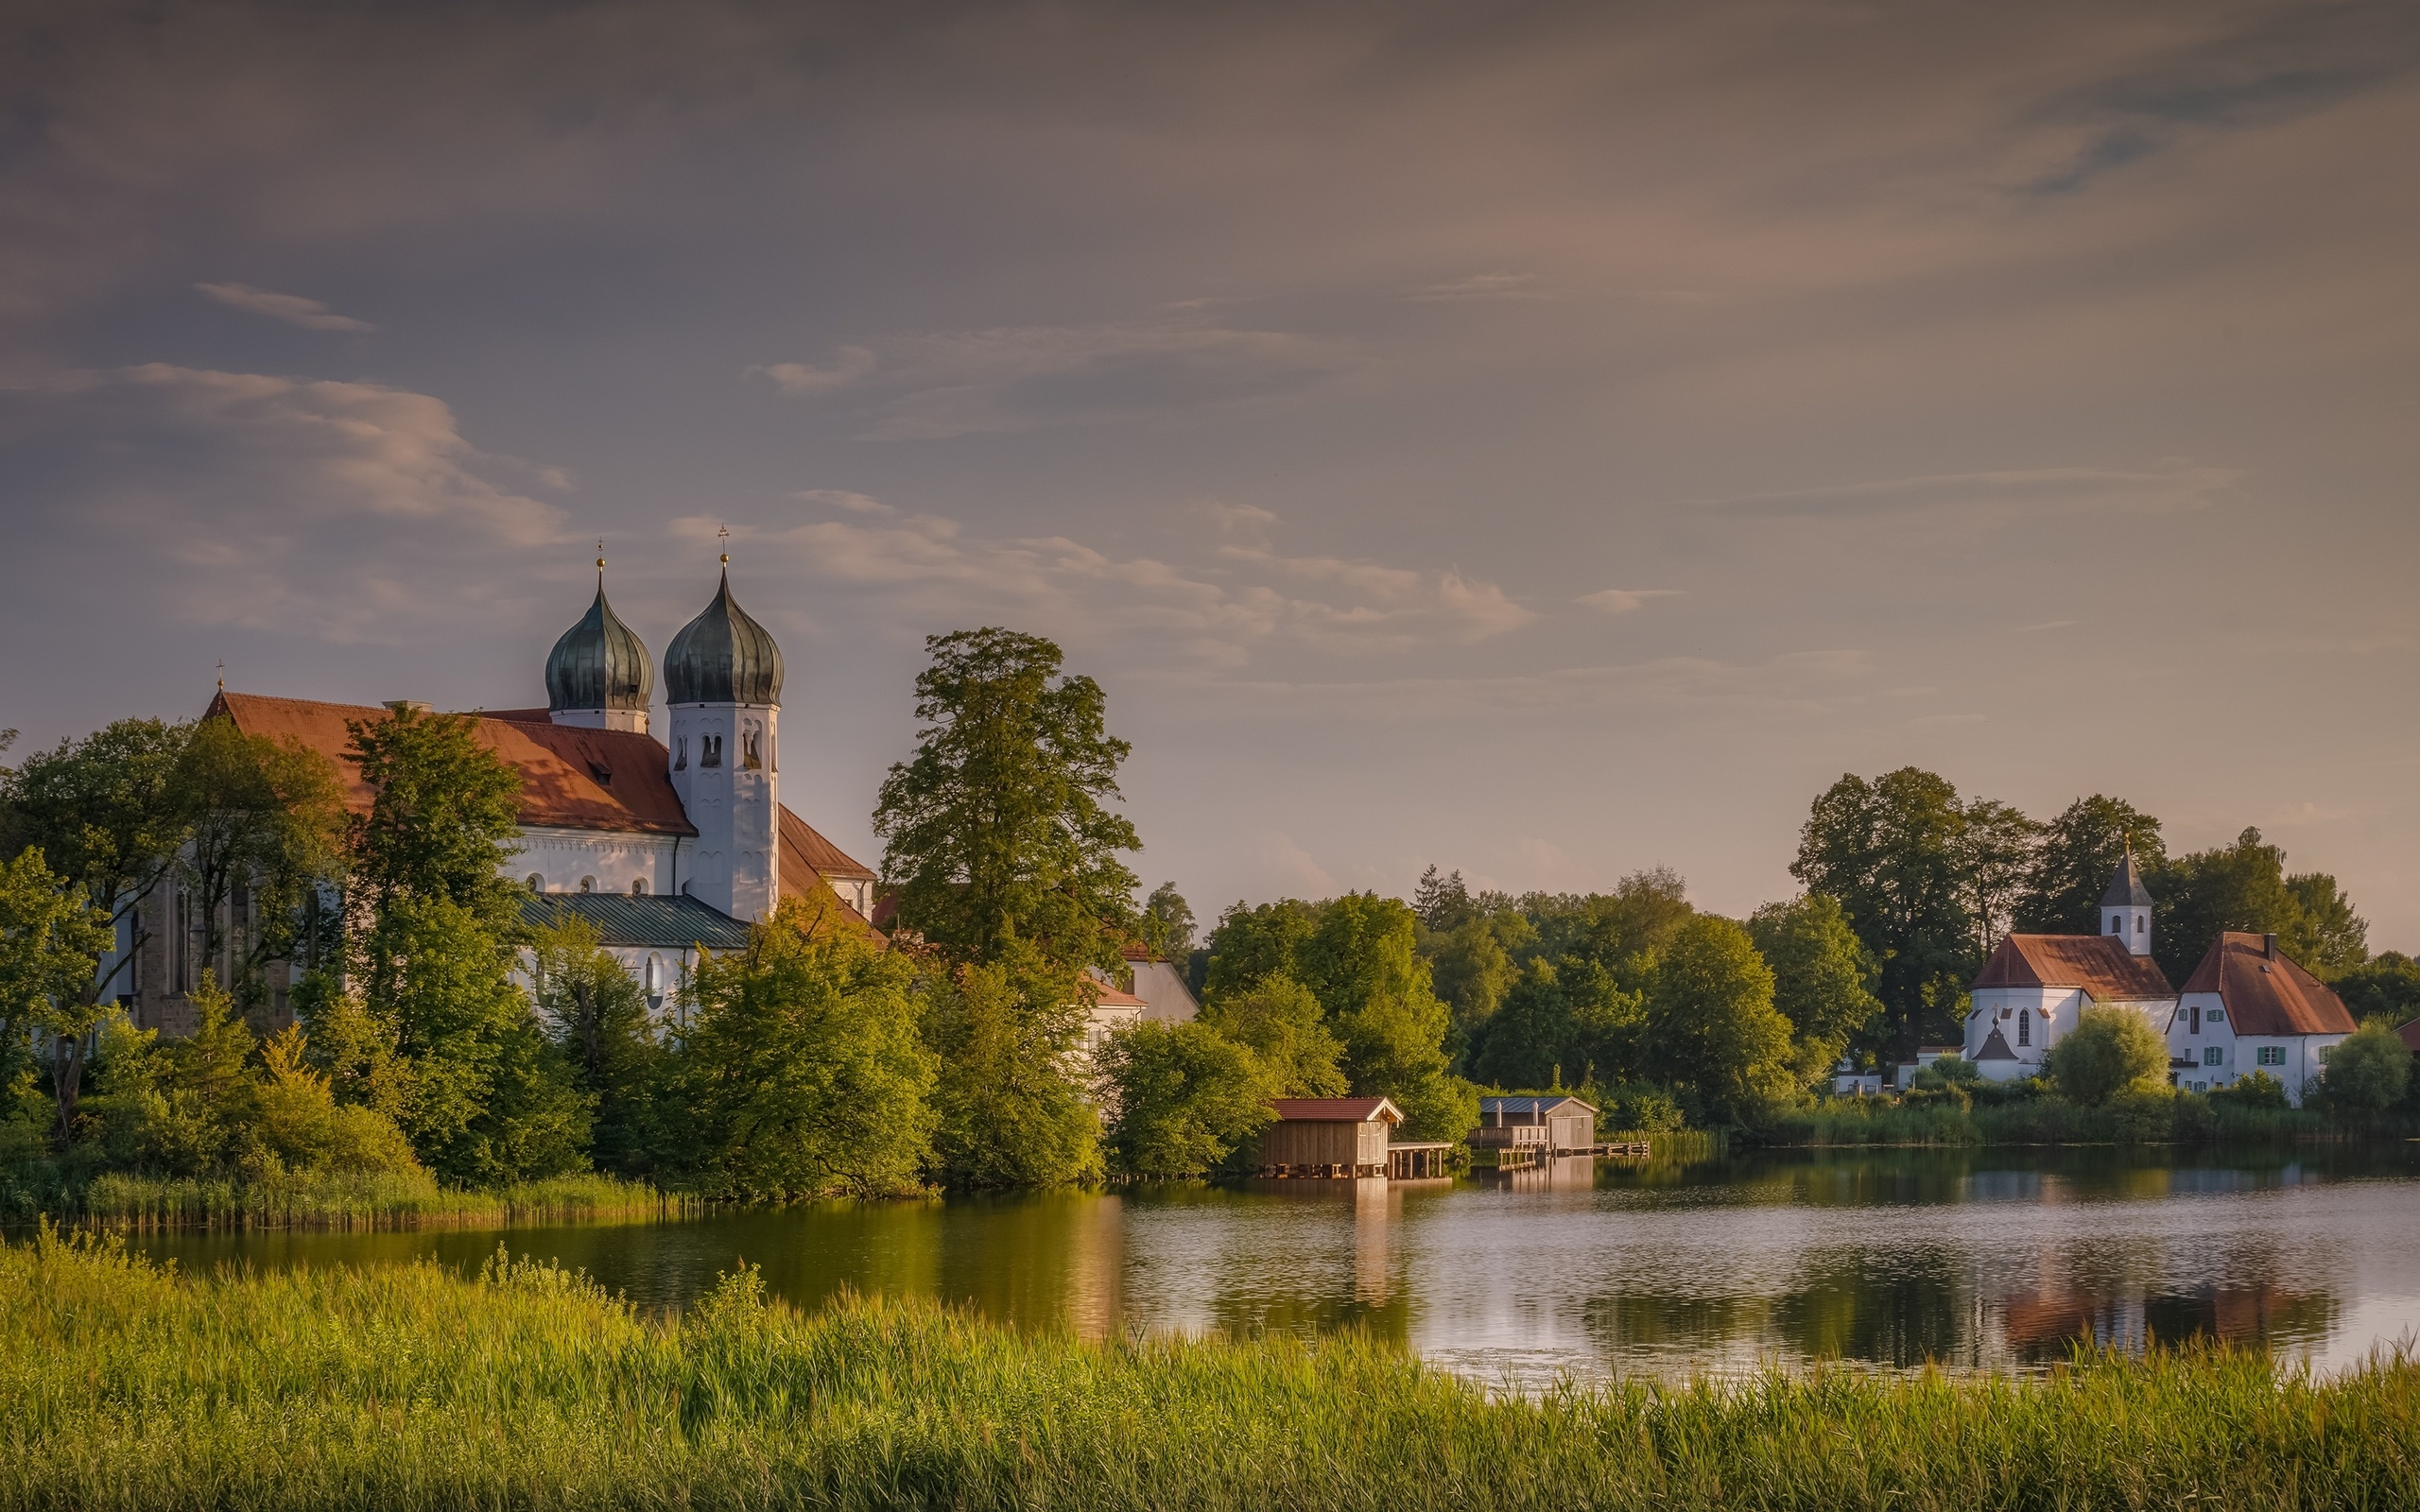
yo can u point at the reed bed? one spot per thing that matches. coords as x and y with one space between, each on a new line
343 1200
123 1384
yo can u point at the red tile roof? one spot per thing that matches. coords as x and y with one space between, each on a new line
802 847
2267 996
571 779
2098 964
1109 997
1337 1109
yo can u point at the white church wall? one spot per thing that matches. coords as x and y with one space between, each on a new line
617 859
725 769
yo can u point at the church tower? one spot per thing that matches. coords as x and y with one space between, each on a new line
598 675
722 682
2126 907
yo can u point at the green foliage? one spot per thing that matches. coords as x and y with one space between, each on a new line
995 832
1011 1111
51 942
1167 925
1824 976
2367 1071
2255 1089
1710 1026
2387 985
490 1099
2079 852
1251 944
1442 903
799 1073
597 1013
1893 851
1473 970
1185 1098
2244 886
264 823
442 820
1574 1015
414 1386
2110 1052
1359 960
1638 1108
1281 1024
104 810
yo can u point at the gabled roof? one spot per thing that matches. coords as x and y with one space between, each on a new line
646 922
571 778
2126 890
1105 996
1528 1106
801 846
2265 995
1994 1047
2098 964
1337 1109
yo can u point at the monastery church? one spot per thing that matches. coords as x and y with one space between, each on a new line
664 845
2246 1008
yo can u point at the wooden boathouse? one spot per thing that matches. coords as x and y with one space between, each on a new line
1329 1137
1534 1127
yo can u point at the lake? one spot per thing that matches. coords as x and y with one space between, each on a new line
1996 1259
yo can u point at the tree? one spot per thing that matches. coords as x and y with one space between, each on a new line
491 1100
1893 852
264 823
801 1073
443 817
51 942
2332 939
2110 1053
1823 975
1011 1111
1622 931
1167 924
597 1014
1280 1022
104 812
1473 970
1251 944
1186 1098
1359 960
2387 985
2244 886
996 832
301 1124
1710 1025
2367 1070
2078 854
1442 903
1997 849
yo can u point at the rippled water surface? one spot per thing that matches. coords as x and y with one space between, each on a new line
1994 1259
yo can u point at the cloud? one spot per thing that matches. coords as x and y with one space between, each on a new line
2166 488
344 511
1481 287
1795 685
2047 624
798 380
292 308
1624 600
1219 611
844 499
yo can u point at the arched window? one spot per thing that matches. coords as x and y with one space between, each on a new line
638 887
537 881
2116 926
2025 1026
588 883
2141 923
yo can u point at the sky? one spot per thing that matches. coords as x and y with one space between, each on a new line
1539 440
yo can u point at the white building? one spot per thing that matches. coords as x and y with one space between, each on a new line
1160 985
2033 986
663 848
2246 1008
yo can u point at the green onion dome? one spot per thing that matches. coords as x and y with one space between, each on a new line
723 656
599 662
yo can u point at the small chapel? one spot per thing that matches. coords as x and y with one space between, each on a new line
665 843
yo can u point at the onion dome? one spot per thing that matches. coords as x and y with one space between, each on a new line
599 664
723 656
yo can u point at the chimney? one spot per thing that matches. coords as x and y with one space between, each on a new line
2269 946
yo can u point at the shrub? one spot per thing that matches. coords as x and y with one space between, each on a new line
2366 1072
2110 1053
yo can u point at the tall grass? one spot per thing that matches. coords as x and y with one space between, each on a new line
329 1199
127 1386
2182 1119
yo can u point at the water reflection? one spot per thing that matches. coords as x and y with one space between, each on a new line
1587 1269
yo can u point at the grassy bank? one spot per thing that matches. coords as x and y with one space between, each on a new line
122 1385
318 1200
2171 1120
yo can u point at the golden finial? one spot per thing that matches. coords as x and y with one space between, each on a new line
222 674
725 534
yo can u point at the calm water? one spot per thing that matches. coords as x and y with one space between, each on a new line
1995 1260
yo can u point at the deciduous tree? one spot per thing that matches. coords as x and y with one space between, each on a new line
1185 1098
598 1015
1823 975
1892 851
1710 1025
2078 854
51 942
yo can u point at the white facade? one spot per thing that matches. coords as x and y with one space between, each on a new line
625 861
725 770
2131 922
1161 985
2203 1033
2033 1018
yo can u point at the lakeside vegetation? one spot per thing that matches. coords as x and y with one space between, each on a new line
123 1384
448 1054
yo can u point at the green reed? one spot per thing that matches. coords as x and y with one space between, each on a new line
343 1200
125 1385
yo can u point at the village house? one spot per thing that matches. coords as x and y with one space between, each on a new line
2032 988
2249 1008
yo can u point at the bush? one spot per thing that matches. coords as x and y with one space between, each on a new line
2367 1071
2110 1052
2258 1089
